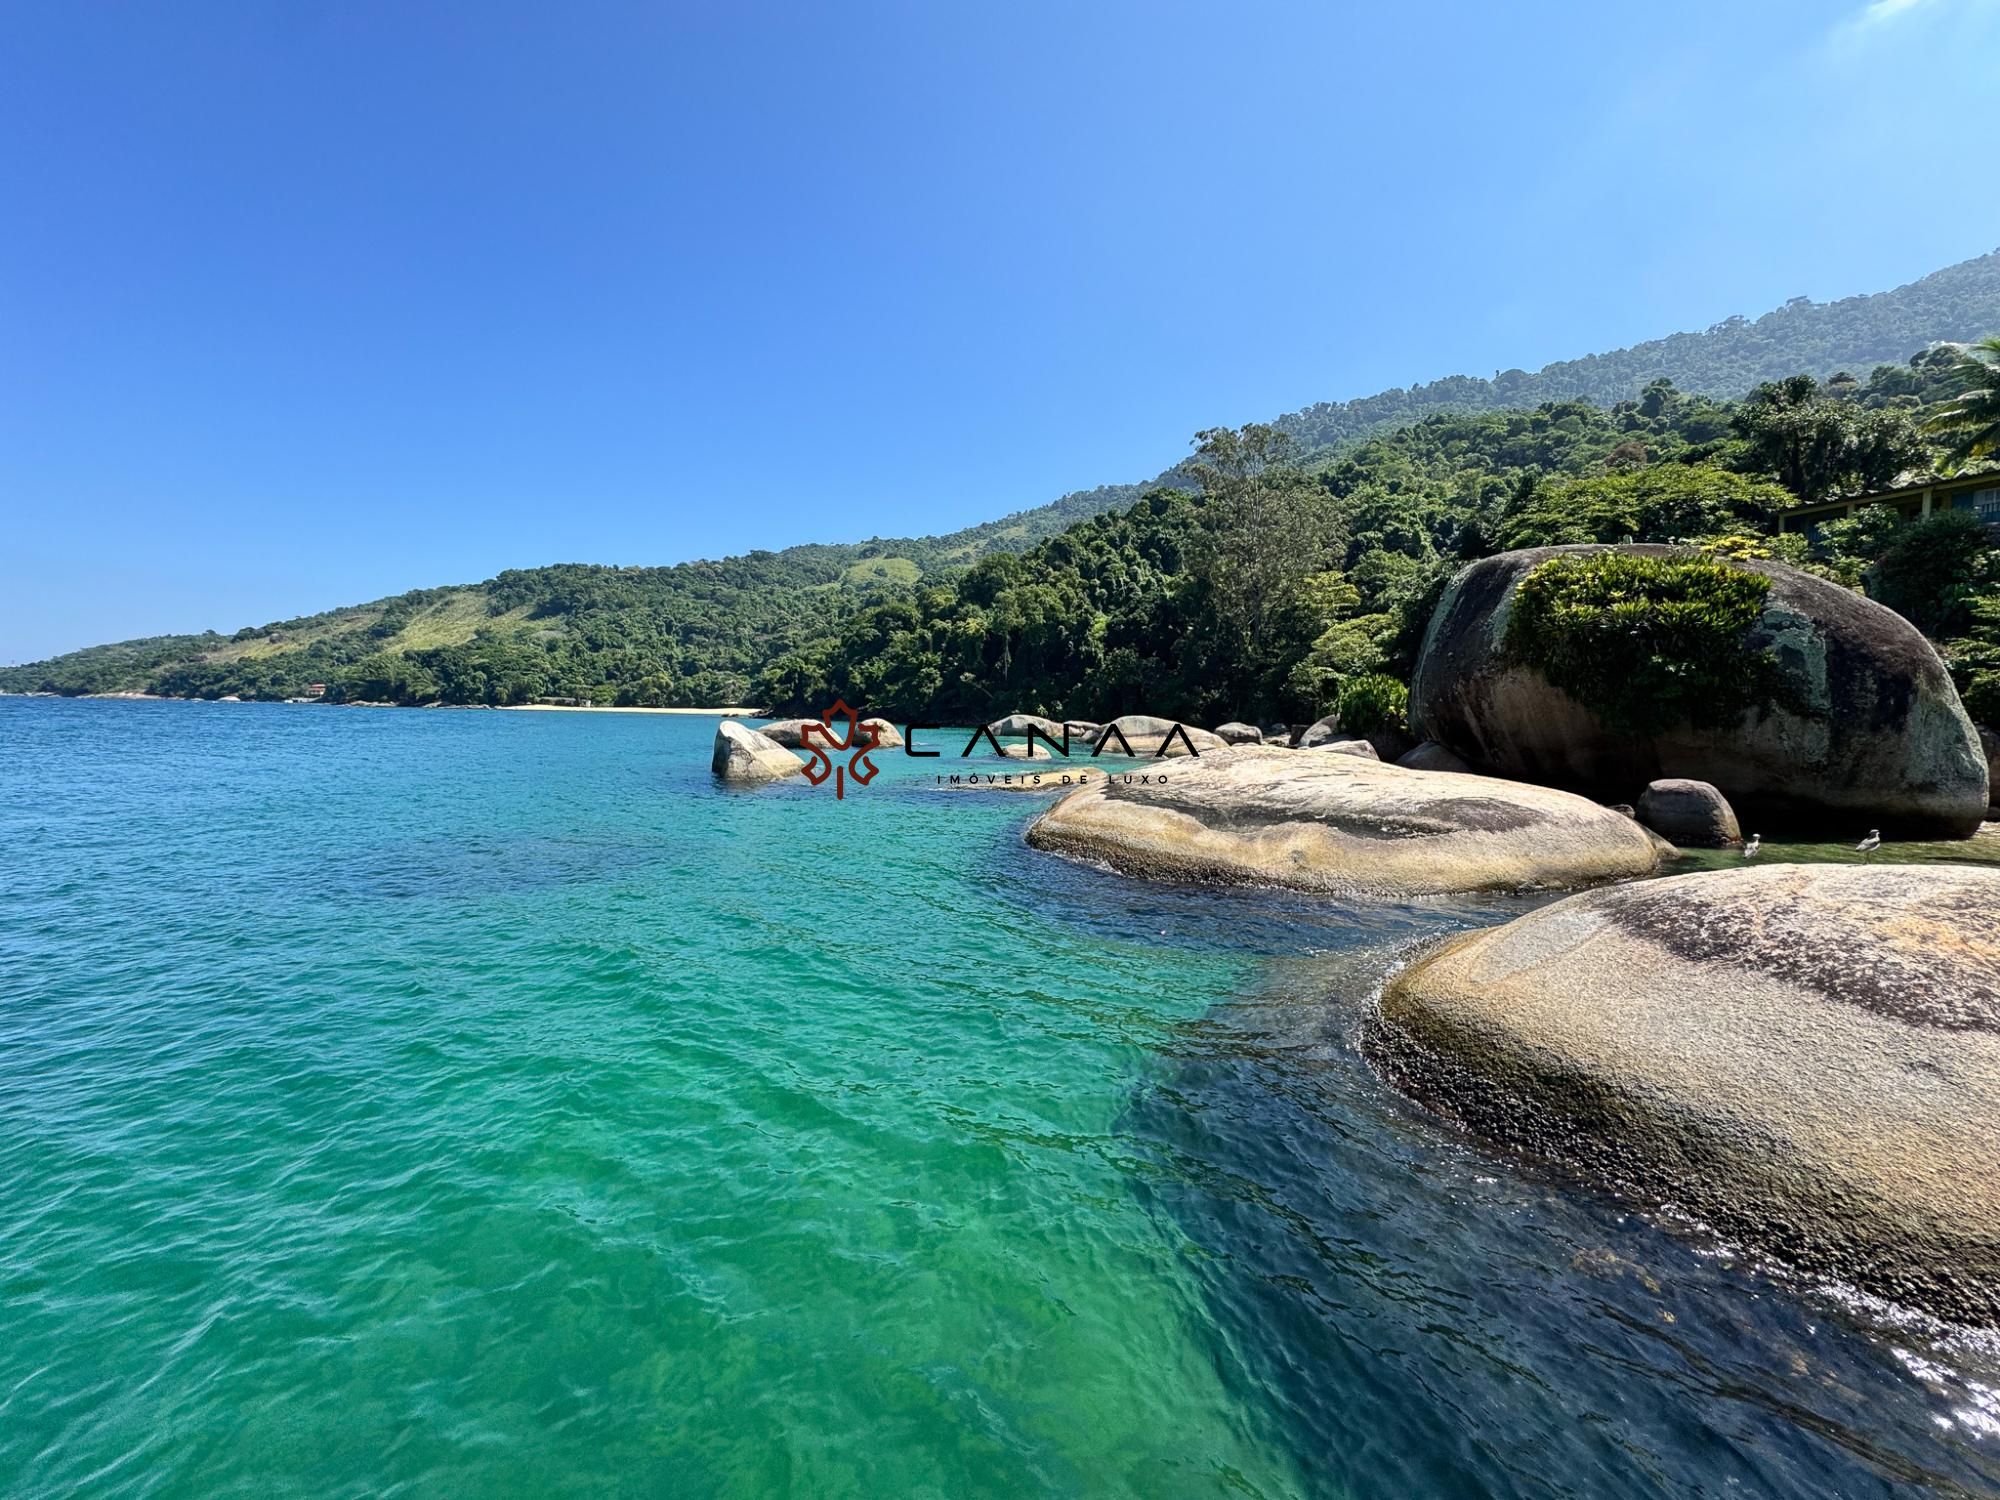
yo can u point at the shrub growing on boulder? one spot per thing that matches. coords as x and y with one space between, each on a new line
1644 642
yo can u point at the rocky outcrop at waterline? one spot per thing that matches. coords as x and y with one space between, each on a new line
1857 722
750 758
1235 733
1342 824
1805 1056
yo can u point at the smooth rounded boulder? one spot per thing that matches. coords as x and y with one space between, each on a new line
887 736
1692 814
746 756
1861 725
1342 824
1806 1057
1234 733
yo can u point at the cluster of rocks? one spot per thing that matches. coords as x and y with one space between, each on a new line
1806 1057
756 757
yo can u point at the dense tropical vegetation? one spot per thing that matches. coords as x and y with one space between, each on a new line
1274 572
1276 584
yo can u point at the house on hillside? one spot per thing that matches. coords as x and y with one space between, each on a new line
1978 493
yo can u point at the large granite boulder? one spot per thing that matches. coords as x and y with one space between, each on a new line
1805 1056
1863 725
1692 814
1234 733
744 755
1145 735
1340 823
887 736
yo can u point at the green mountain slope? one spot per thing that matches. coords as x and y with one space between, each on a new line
700 632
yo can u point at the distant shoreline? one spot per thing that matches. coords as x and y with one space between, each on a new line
607 708
739 712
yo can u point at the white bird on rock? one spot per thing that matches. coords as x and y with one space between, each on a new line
1750 849
1870 844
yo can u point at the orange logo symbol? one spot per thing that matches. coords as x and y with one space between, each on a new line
856 741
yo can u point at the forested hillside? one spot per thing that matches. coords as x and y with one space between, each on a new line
1281 585
1803 337
1414 477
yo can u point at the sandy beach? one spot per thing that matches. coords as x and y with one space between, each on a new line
592 708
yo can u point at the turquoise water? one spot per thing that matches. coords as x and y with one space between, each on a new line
486 1104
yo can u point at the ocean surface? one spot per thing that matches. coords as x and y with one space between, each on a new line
469 1103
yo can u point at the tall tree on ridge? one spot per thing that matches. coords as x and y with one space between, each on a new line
1971 421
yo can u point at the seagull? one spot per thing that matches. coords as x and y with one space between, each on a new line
1750 849
1870 844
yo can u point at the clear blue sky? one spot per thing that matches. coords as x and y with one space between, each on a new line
303 303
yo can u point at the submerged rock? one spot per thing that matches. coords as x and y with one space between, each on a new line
1689 813
1341 823
745 755
1863 725
1806 1056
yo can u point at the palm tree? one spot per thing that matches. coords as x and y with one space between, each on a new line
1971 420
